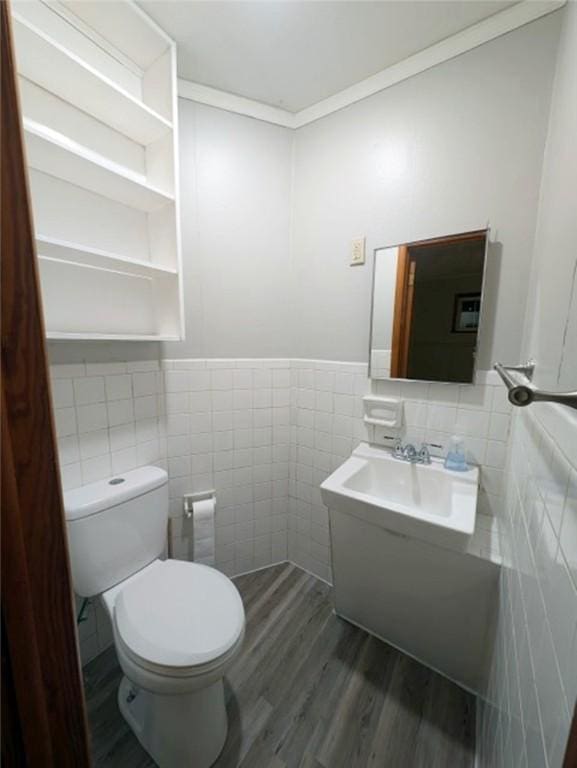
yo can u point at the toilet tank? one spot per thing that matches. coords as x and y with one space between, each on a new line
115 527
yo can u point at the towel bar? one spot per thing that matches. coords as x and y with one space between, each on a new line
522 394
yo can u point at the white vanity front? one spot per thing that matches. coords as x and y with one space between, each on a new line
399 532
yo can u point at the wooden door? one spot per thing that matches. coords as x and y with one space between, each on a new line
43 717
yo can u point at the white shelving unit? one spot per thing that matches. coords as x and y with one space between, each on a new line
49 247
51 66
55 154
99 102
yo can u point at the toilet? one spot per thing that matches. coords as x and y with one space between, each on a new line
177 626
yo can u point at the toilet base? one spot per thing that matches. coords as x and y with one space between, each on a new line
179 730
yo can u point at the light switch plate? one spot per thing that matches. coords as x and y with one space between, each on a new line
357 252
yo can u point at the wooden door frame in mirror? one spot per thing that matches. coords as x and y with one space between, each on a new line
43 717
404 296
400 336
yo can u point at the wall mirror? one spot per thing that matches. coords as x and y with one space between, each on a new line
426 310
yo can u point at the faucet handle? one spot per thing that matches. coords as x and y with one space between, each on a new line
397 445
424 454
409 452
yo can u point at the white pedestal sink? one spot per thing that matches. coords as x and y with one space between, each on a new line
400 570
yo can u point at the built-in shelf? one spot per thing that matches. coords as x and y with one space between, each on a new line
147 41
65 251
101 131
53 153
49 64
84 301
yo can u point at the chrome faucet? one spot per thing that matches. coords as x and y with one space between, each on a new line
409 453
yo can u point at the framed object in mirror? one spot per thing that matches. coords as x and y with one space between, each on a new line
467 312
427 308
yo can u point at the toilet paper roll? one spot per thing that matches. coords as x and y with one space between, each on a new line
203 531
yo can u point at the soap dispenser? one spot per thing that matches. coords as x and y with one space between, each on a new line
455 460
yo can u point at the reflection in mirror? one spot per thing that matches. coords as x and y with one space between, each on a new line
427 299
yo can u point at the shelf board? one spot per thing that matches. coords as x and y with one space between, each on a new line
146 42
83 301
53 67
55 154
61 336
66 251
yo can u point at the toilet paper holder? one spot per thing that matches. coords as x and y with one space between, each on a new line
190 498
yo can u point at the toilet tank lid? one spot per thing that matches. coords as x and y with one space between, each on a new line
95 497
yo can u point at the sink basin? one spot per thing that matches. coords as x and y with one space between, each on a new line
422 501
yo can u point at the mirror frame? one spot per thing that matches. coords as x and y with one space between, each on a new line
431 240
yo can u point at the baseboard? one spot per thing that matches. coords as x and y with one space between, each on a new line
260 568
280 562
412 656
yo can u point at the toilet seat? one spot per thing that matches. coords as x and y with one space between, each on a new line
179 619
179 675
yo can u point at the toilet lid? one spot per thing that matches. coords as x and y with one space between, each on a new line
179 614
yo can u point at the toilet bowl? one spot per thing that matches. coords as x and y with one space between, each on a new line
177 626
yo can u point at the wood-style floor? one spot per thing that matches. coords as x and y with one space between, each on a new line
309 690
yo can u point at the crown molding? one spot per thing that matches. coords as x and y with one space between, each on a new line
466 40
231 103
483 32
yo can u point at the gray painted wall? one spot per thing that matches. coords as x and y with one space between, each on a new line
268 213
236 178
446 151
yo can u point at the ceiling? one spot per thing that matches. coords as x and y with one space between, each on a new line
293 54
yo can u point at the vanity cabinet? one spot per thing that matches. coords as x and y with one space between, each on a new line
433 603
99 102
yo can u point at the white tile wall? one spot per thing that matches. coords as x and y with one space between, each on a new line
327 423
227 428
533 685
534 675
222 424
264 434
94 631
104 422
109 419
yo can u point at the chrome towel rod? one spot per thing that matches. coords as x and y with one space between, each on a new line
522 394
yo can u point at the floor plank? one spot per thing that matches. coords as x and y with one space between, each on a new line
308 690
